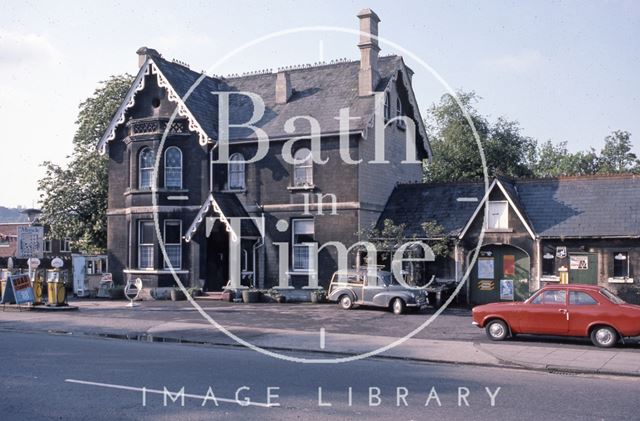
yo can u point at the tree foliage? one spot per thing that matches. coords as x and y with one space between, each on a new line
73 198
391 236
456 155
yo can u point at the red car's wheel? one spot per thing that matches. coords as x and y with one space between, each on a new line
497 330
604 337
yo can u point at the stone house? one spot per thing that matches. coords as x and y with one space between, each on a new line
169 178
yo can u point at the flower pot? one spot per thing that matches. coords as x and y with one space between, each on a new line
177 295
250 296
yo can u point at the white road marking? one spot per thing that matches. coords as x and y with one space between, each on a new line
467 199
162 392
321 338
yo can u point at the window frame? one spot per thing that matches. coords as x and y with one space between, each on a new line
147 169
179 168
46 245
387 106
65 245
140 245
167 244
399 115
295 245
240 170
626 265
306 165
491 203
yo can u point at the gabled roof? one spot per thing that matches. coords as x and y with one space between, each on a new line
590 206
225 205
318 91
510 193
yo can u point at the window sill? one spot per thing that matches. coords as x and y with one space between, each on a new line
294 189
159 190
550 279
236 191
620 280
498 230
154 271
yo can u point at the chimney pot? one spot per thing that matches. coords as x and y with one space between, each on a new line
283 87
144 53
368 76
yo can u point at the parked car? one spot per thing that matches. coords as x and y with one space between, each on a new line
563 310
349 288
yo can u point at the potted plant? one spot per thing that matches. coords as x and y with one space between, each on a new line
116 292
318 296
251 295
177 295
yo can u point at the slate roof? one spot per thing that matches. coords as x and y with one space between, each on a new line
596 206
607 206
413 204
319 92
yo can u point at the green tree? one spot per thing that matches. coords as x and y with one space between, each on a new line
554 160
456 155
74 198
616 155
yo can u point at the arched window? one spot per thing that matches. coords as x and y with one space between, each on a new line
236 172
303 168
173 168
387 106
398 108
145 168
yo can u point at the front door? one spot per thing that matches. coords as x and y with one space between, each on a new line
217 259
583 268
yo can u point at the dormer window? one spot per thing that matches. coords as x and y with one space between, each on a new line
173 168
145 168
236 173
498 215
387 106
303 168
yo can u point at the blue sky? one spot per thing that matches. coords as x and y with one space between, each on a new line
565 70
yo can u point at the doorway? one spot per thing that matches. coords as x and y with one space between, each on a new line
217 259
583 268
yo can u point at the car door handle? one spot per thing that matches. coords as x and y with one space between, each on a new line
562 310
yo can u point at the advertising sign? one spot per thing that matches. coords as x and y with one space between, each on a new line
579 262
57 263
18 290
506 289
485 268
486 285
29 242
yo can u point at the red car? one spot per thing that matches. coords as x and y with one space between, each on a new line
563 310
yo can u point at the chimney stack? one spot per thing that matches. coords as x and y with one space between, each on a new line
144 52
368 76
283 87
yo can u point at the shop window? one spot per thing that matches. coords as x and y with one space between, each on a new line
498 215
621 264
303 168
236 172
173 244
145 168
303 233
146 231
46 245
173 168
548 263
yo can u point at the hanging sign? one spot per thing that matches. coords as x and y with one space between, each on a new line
561 252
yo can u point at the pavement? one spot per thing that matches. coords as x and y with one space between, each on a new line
327 333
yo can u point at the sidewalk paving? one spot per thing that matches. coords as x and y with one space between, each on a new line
127 322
